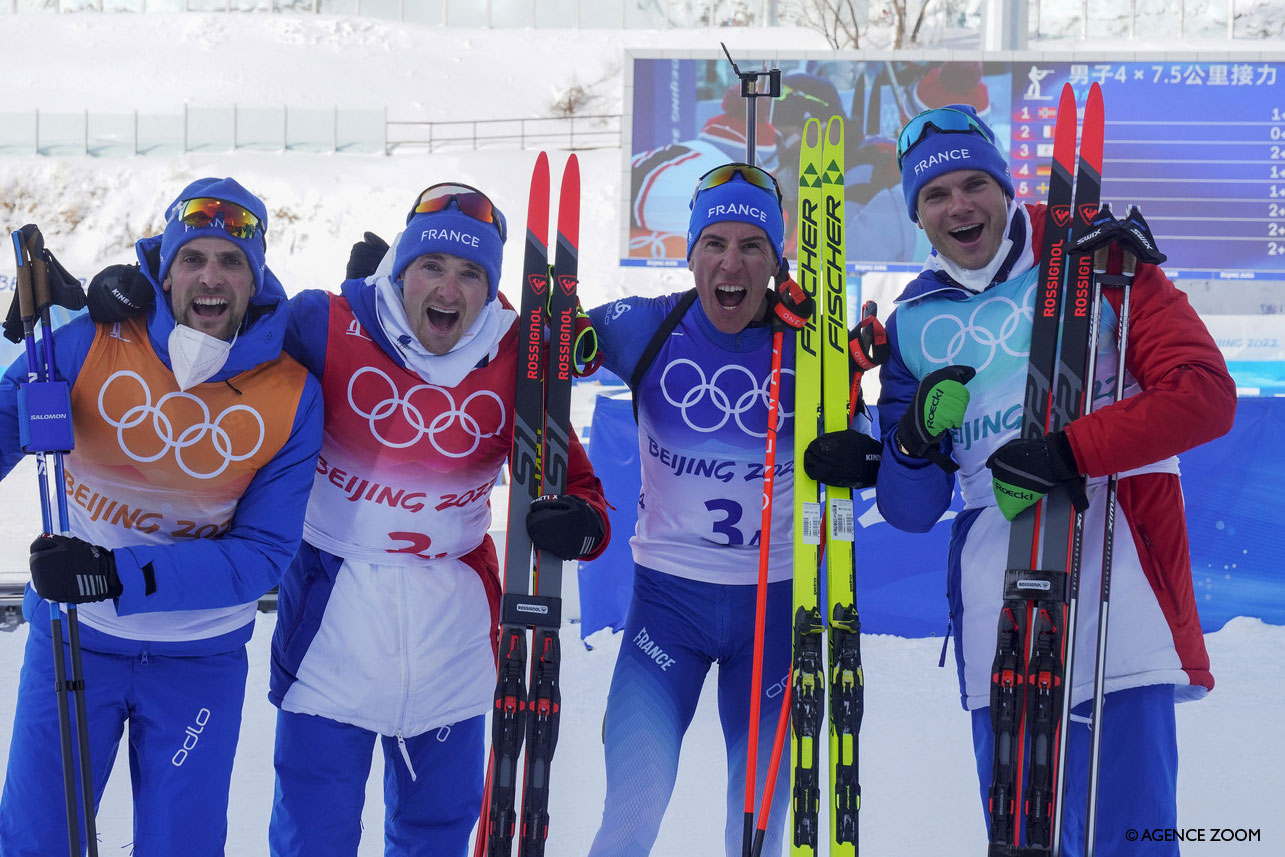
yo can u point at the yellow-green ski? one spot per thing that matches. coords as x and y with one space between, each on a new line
846 682
807 704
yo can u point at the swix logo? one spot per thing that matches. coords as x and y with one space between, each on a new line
1061 214
537 282
191 735
1088 211
567 284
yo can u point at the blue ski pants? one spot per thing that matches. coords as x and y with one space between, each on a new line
676 628
184 716
1137 781
322 767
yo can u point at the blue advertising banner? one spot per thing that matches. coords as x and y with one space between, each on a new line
1234 508
1200 146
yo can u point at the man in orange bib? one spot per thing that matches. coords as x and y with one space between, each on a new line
196 438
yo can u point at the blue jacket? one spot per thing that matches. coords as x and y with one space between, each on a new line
198 593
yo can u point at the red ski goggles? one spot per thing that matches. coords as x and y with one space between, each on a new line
943 120
747 172
469 200
206 211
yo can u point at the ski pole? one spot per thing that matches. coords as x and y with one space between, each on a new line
1125 282
760 603
769 786
45 390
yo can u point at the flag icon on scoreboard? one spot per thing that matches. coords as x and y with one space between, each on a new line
1044 169
1044 150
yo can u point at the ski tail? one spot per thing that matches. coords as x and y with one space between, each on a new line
544 703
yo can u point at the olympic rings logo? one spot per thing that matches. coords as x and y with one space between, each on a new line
164 426
720 397
981 330
445 417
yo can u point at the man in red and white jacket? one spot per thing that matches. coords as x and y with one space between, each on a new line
960 337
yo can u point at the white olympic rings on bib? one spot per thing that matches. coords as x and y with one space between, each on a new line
443 418
720 399
992 338
164 426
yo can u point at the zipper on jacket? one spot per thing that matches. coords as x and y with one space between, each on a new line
403 635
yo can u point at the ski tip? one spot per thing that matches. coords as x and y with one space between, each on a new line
812 132
834 131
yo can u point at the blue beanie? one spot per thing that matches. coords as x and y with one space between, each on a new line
177 233
737 200
944 152
453 232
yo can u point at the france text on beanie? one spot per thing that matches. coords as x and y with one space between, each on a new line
740 201
453 233
177 233
944 152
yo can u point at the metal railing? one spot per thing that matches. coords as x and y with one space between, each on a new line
573 132
284 129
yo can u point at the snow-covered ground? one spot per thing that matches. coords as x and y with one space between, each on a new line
920 795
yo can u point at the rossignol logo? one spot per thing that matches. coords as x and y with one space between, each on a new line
942 158
537 282
1088 211
1036 585
1061 214
191 735
716 211
537 609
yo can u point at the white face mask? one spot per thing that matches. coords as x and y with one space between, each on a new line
196 356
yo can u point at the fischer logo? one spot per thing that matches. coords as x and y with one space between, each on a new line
191 735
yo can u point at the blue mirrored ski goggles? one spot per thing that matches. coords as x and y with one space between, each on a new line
943 120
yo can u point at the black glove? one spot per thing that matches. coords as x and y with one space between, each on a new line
564 525
69 570
845 459
938 406
365 256
64 289
1023 471
118 292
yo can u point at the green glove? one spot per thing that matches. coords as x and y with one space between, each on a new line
1023 471
938 406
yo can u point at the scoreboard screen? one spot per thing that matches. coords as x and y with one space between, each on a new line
1199 146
